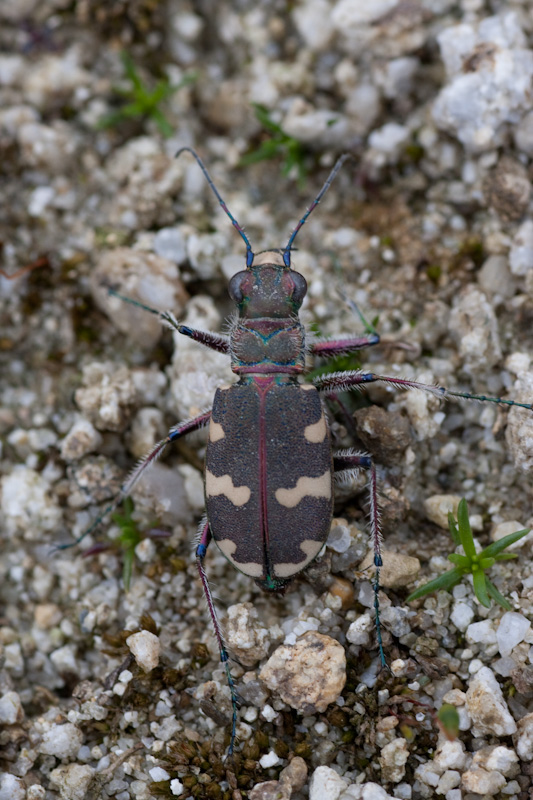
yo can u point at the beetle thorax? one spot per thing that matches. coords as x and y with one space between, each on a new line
268 333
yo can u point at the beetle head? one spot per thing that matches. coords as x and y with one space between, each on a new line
268 288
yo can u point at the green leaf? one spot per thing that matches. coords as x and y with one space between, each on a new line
497 597
127 568
448 717
463 562
444 582
496 547
465 531
480 588
453 529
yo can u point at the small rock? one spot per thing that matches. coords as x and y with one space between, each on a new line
481 782
52 148
107 395
12 788
487 707
523 134
73 781
524 738
482 633
205 252
361 630
474 328
343 589
385 433
450 755
27 504
462 615
521 253
326 784
489 69
495 278
270 790
295 774
438 506
146 430
448 780
176 787
522 678
512 630
62 741
507 189
145 647
308 675
504 529
398 569
269 759
393 758
313 22
245 634
11 710
497 757
366 791
82 438
169 243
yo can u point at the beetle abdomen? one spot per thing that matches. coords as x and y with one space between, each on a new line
269 485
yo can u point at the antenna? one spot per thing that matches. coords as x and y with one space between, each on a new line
316 201
249 253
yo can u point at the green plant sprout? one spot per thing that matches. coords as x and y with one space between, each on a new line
128 539
279 144
471 562
141 102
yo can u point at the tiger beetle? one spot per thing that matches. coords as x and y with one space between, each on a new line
269 465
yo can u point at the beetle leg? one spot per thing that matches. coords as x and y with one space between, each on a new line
344 381
176 432
215 341
346 460
205 538
349 344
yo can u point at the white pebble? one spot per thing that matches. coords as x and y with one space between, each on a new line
10 708
269 760
325 784
512 630
62 741
145 647
159 774
462 615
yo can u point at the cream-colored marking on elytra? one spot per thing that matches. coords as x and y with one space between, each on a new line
216 431
305 487
310 548
268 257
239 495
228 547
307 387
314 433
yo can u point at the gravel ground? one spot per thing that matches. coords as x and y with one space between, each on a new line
107 692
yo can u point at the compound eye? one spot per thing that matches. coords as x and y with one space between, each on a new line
300 287
235 284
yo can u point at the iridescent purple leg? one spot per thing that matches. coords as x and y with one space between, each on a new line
344 381
182 429
344 461
337 347
215 341
201 551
